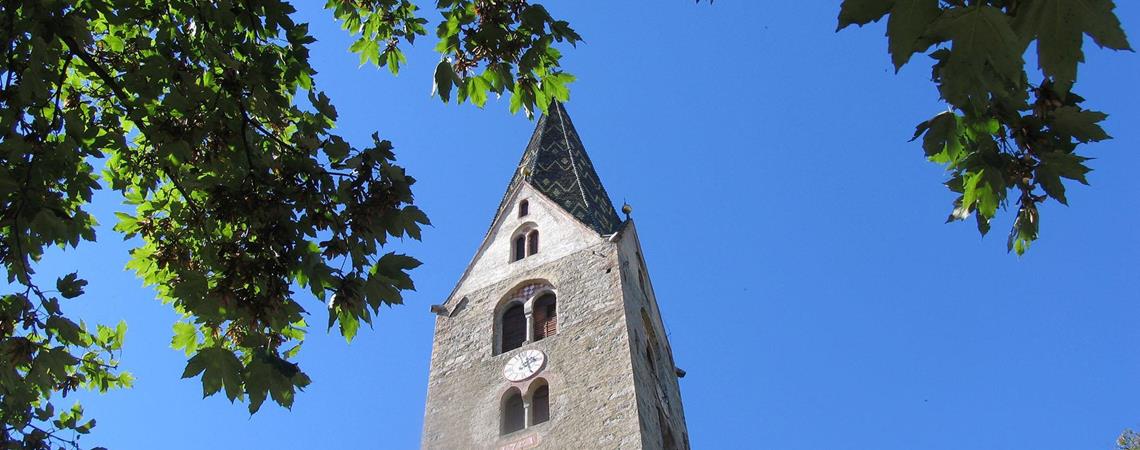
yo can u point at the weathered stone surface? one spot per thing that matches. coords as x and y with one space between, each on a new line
657 386
603 394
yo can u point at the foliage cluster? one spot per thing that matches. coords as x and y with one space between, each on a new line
205 118
1128 440
1004 139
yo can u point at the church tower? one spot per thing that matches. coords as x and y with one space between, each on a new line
552 337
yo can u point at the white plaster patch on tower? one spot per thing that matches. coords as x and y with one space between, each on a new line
560 234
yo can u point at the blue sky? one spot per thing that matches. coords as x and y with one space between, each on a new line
794 237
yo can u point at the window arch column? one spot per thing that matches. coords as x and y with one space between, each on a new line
528 420
529 310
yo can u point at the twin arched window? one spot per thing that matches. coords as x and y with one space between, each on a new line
530 315
524 244
519 412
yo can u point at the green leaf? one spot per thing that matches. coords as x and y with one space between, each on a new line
258 375
219 368
445 79
1082 125
393 59
111 338
369 50
55 361
1059 27
983 223
907 26
862 12
269 374
67 331
185 338
985 55
1057 165
70 286
477 88
1024 230
349 324
120 335
86 427
977 194
942 142
394 267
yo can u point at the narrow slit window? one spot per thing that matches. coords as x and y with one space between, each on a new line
524 208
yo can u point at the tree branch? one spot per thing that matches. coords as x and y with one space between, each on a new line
125 99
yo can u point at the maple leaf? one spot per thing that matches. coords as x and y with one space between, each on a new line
1059 27
985 54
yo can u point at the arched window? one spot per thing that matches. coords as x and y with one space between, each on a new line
524 208
532 243
520 248
545 316
514 328
540 404
514 414
514 316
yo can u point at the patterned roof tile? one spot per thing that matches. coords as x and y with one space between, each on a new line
555 163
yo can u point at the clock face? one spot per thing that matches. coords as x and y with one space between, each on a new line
524 365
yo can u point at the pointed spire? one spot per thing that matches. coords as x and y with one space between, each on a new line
555 163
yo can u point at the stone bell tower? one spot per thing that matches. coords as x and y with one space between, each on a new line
552 337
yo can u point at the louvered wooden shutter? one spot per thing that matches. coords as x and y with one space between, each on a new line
545 317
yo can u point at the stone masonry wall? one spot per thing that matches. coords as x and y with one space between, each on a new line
657 387
593 404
